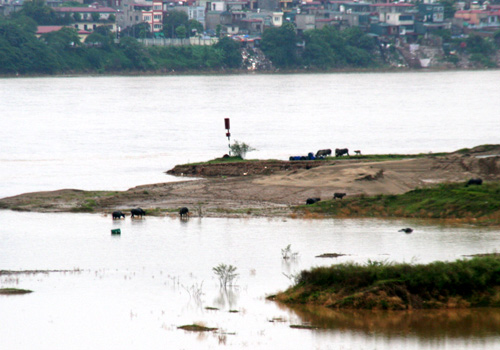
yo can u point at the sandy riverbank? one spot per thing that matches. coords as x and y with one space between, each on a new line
257 189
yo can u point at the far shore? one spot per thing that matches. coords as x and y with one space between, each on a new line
229 72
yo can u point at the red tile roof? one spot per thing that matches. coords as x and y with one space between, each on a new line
49 29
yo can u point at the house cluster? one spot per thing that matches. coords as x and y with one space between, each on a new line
249 18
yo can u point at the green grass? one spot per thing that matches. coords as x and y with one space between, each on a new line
443 201
14 291
382 157
467 283
234 159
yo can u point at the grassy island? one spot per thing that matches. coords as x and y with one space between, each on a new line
477 204
461 284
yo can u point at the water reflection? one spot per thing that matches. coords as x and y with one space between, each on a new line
423 324
227 298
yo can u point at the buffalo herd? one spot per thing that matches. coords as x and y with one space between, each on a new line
336 195
138 212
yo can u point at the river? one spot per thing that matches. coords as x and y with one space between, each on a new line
132 291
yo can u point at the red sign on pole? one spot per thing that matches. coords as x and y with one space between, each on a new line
228 134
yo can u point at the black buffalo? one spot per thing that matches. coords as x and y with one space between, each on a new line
339 152
406 230
312 200
339 195
118 215
474 182
323 153
184 212
137 212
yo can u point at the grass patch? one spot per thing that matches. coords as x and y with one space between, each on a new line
197 328
14 291
443 201
379 285
234 159
383 157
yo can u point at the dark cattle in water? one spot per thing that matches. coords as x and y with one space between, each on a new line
406 230
137 212
474 182
339 152
312 200
118 215
184 212
339 195
323 153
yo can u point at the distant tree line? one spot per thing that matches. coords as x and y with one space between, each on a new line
21 52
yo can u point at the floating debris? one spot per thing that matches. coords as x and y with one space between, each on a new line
330 255
197 328
303 326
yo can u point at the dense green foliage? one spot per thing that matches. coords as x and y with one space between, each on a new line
475 280
177 25
329 48
324 48
280 45
445 201
63 52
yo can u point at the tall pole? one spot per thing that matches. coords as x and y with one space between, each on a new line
228 134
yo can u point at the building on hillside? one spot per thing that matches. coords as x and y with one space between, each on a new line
197 13
132 13
430 17
41 30
478 19
395 18
89 18
305 22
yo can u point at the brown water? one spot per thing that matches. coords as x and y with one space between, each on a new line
132 291
106 133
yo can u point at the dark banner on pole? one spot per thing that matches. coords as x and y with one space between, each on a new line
226 123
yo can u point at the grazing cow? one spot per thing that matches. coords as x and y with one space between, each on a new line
138 212
312 200
339 152
118 215
339 195
477 181
358 152
184 212
323 153
406 230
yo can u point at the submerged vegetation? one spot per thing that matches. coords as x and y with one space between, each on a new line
379 285
478 204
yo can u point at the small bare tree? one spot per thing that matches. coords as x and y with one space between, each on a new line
226 274
287 253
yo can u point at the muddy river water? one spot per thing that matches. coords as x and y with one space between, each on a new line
132 291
